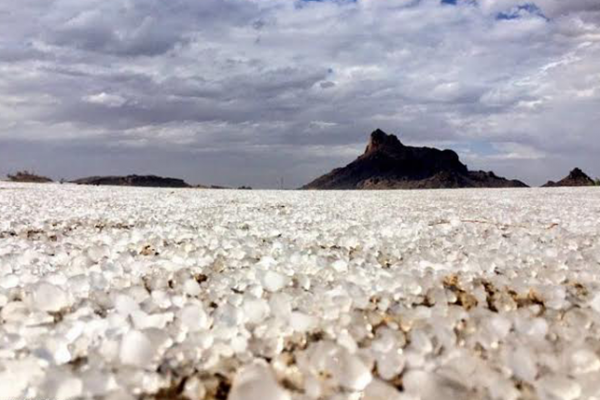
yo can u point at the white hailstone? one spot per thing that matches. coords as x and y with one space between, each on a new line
417 381
499 326
420 342
191 287
98 281
537 328
97 383
161 298
138 293
136 350
554 298
385 340
61 353
9 281
340 266
346 340
109 350
256 382
126 305
414 360
582 361
379 390
194 318
229 317
50 298
194 389
256 310
255 290
384 304
312 387
178 301
120 394
390 364
142 321
81 262
97 253
558 387
303 281
430 386
239 344
280 305
413 288
455 222
523 363
79 285
17 376
68 388
267 261
301 322
595 302
14 311
503 389
273 281
237 253
348 370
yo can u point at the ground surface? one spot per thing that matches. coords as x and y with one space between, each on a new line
127 293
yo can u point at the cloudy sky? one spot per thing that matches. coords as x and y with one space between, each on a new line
239 92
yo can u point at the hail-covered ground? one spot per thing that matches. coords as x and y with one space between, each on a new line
123 293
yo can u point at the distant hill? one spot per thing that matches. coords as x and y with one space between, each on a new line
389 164
26 176
133 180
575 178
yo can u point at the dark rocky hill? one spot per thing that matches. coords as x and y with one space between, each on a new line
133 180
575 178
389 164
26 176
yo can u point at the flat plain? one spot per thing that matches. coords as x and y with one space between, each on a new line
126 293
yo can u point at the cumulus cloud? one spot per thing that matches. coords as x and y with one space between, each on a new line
109 100
292 88
554 8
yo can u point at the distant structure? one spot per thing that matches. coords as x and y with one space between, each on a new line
389 164
575 178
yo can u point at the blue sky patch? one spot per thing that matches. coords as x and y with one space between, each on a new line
521 10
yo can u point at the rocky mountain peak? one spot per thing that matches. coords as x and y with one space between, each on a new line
578 174
575 178
389 164
379 139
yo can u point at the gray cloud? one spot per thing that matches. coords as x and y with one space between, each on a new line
241 92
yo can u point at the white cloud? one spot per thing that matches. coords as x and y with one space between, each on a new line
516 151
106 99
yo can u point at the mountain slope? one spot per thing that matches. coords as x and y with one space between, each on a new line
575 178
389 164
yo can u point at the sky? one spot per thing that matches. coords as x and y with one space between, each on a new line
250 92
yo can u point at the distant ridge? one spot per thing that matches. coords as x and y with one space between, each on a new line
389 164
133 180
575 178
29 177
